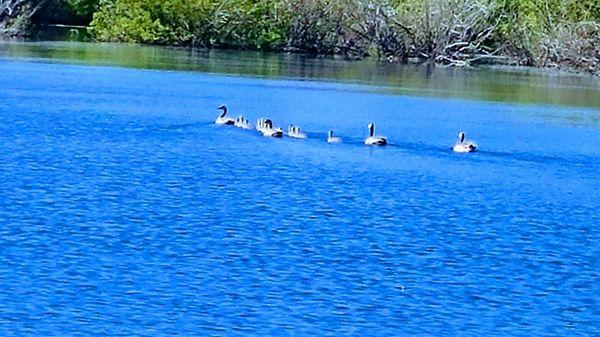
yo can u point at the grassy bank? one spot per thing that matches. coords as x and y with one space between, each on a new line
542 33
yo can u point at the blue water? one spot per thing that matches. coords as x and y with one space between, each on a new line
124 211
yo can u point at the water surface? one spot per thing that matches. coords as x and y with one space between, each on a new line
504 84
125 211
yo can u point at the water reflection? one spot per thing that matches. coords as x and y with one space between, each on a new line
495 84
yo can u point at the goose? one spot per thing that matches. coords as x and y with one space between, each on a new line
222 120
268 130
374 140
464 146
331 139
242 123
294 132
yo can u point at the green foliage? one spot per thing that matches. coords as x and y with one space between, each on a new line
395 29
533 27
233 23
128 21
83 8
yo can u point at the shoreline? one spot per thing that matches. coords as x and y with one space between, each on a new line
448 33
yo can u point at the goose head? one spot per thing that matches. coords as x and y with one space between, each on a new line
222 108
461 137
371 127
330 134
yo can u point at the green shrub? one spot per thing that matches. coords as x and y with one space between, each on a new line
448 31
127 21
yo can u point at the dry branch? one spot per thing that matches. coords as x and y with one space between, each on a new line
11 7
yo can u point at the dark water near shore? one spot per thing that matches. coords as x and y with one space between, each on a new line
125 211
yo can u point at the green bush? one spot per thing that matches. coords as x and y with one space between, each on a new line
83 8
448 31
128 21
234 23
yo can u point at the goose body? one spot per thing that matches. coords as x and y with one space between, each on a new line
269 131
223 119
374 140
331 139
294 132
464 146
242 123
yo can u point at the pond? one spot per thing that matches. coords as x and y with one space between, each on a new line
126 211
